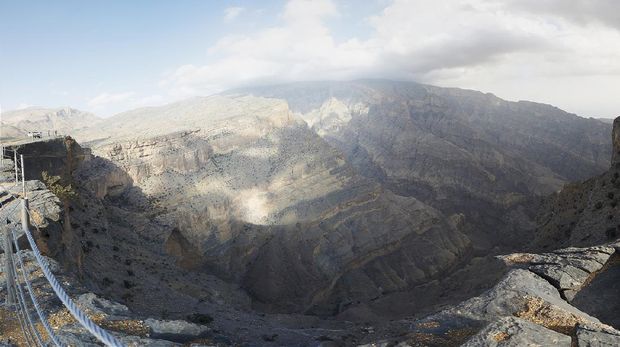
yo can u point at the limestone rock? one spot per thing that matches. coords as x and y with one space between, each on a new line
567 269
179 331
93 304
587 337
515 332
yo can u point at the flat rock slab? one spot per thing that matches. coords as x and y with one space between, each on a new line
593 338
567 269
514 332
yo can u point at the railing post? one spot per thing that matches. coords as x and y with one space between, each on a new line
15 161
21 156
8 268
25 217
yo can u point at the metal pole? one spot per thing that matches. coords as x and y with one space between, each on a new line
8 268
25 218
21 156
15 160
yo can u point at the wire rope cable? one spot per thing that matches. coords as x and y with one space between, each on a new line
102 334
41 314
29 325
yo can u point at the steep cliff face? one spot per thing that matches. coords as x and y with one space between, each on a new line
267 203
58 157
583 213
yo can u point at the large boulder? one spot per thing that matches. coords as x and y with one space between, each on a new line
176 330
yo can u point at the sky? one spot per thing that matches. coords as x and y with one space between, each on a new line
110 56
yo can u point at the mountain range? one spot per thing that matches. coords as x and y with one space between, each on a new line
360 201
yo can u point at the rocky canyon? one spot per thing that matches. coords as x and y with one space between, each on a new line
369 212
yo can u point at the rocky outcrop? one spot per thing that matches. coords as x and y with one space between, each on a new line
57 157
104 178
588 337
523 308
515 332
567 269
182 152
178 331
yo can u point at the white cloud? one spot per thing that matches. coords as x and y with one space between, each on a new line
233 12
106 99
107 103
22 106
536 52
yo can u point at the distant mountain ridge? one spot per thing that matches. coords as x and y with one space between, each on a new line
64 120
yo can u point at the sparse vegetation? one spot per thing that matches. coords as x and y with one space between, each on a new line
53 183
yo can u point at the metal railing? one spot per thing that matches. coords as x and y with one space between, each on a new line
19 298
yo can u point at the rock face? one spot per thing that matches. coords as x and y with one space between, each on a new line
58 157
582 213
567 269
